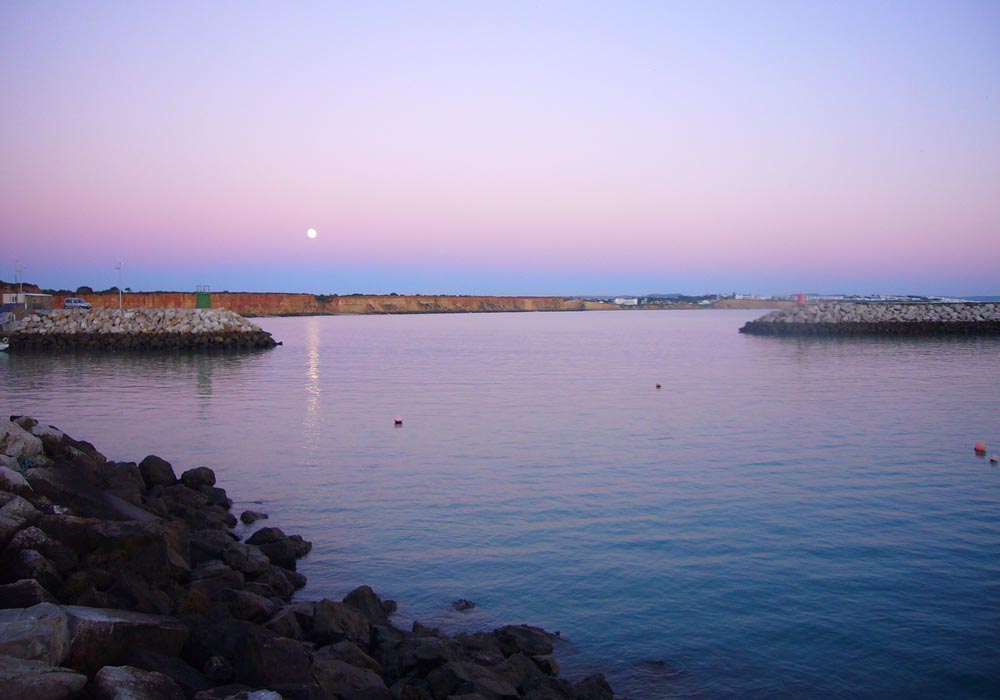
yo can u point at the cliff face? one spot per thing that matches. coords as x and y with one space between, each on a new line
280 304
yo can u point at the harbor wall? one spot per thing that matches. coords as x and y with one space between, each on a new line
880 319
137 329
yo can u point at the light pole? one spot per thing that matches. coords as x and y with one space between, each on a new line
120 266
19 276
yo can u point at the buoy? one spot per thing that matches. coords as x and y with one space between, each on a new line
398 420
980 448
993 459
658 386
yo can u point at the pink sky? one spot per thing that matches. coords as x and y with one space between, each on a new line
564 149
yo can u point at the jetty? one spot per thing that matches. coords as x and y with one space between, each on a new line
136 329
880 319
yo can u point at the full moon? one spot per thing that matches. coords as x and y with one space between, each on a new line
311 233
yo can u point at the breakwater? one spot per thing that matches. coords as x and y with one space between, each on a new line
123 577
287 304
137 329
879 319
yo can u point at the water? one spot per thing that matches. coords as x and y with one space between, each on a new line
784 518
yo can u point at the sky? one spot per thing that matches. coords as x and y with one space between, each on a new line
562 148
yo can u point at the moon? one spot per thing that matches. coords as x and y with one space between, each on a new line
311 233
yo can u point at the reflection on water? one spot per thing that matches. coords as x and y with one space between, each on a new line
784 518
312 385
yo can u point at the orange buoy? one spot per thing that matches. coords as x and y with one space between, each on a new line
980 448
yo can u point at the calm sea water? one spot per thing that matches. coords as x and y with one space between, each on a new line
784 518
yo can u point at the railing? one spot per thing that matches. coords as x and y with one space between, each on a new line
6 317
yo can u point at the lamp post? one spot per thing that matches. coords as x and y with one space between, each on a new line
120 266
19 276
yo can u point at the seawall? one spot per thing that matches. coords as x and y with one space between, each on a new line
285 304
137 329
880 319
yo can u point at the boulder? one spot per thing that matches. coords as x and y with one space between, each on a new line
216 496
285 623
249 517
293 577
341 680
188 678
245 558
334 622
213 577
16 442
15 515
33 680
481 647
199 476
209 544
128 683
102 637
518 670
67 488
8 528
27 563
156 472
39 633
269 660
365 601
71 530
230 691
244 605
463 677
258 656
547 664
157 550
532 641
24 594
350 653
547 688
12 481
62 557
593 687
420 655
279 548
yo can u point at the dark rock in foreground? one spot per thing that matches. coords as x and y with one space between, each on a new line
120 580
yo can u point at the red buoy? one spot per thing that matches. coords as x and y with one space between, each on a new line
980 448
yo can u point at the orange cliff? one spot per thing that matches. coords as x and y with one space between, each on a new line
282 304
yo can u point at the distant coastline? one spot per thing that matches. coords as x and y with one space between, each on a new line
300 304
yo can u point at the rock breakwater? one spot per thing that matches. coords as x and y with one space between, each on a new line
137 329
120 579
879 319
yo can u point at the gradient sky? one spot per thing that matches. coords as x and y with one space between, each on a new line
503 148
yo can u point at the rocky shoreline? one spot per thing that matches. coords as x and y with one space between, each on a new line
122 581
880 319
137 329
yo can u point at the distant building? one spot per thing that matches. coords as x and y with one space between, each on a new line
627 301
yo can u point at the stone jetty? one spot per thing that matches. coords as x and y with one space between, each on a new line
122 580
879 319
136 329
